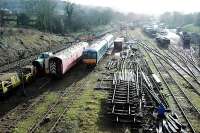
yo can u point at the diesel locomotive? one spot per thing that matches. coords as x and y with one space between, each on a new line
93 54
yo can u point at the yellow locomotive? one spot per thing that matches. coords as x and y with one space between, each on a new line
9 81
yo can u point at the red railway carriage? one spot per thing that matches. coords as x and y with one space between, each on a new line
61 62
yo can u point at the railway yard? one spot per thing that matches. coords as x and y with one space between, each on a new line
139 88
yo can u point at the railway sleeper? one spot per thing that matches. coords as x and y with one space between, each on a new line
124 111
124 100
123 89
124 96
122 85
124 115
124 103
131 92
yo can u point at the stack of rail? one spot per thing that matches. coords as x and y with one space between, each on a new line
124 96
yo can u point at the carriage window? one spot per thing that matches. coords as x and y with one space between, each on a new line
46 56
40 56
89 55
43 56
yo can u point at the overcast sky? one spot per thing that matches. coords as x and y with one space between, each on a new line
146 6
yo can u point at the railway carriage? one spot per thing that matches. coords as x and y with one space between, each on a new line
186 38
163 42
93 54
118 44
110 39
57 64
62 61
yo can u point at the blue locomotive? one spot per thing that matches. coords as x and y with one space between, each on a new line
93 54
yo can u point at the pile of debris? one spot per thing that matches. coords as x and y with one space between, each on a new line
134 99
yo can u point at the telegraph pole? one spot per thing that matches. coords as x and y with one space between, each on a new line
199 50
1 22
21 73
198 43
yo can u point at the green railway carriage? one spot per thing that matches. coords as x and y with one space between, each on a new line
41 63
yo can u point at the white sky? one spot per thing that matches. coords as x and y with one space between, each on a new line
146 6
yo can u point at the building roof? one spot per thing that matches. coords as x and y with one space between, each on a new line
119 39
66 53
98 45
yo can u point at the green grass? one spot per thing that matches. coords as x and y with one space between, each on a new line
191 28
85 112
191 94
23 126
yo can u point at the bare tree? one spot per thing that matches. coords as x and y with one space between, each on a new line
3 13
69 8
197 19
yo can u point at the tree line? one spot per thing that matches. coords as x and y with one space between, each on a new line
57 16
177 19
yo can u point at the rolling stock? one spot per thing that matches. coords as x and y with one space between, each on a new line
93 54
118 44
150 31
163 41
59 64
9 81
41 63
186 40
62 61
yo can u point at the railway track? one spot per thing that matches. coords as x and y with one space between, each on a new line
13 65
188 110
187 55
185 59
13 118
187 68
192 84
10 120
74 96
50 119
182 56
